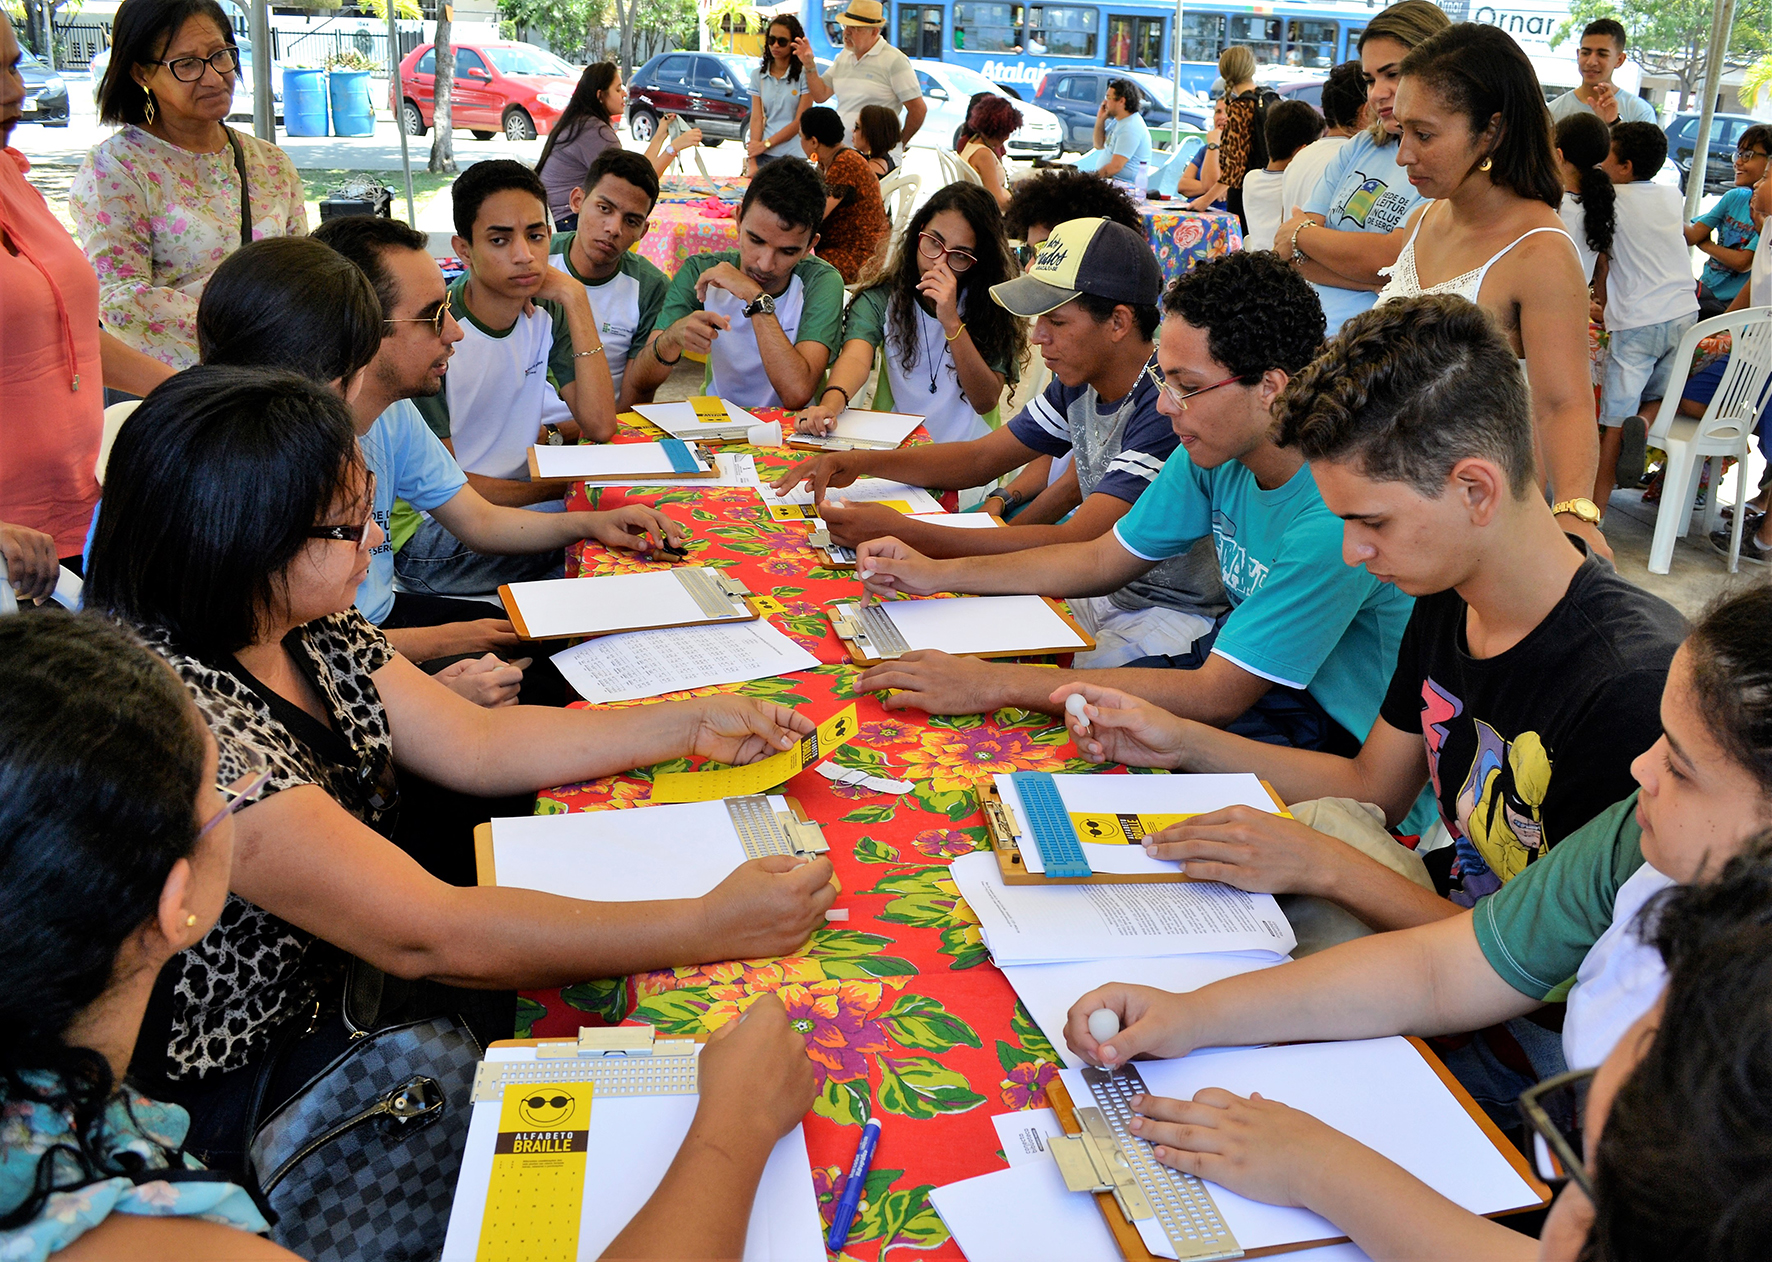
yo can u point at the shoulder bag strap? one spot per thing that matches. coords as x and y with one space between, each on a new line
245 193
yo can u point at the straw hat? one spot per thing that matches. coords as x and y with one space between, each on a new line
863 13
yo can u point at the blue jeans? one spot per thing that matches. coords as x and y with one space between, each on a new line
1493 1083
435 563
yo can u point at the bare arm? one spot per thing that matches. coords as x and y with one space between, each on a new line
1052 502
127 369
481 635
991 172
915 111
945 466
141 1238
846 379
516 493
1354 257
852 526
817 88
591 392
1553 307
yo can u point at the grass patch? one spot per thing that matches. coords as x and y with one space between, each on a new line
426 186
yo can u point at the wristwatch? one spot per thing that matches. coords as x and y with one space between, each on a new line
762 304
1580 509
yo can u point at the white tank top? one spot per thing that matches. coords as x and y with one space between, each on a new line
1403 281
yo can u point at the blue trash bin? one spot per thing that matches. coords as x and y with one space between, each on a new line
304 102
352 112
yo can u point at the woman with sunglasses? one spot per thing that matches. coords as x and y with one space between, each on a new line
235 531
115 847
1706 792
778 96
161 203
947 349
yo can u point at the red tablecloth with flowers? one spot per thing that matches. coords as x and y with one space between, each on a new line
905 1017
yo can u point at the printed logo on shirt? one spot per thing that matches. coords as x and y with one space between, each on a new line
540 365
387 534
1499 822
1242 573
1374 206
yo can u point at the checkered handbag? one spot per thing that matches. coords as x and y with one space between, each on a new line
361 1163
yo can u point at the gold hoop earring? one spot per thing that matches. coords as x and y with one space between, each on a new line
149 110
191 921
1485 164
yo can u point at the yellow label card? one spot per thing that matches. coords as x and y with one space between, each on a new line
711 411
758 777
768 606
1104 829
808 512
538 1174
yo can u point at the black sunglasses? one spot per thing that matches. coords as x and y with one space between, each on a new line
351 534
782 40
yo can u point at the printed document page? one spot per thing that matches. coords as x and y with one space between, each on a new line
636 664
599 460
1045 924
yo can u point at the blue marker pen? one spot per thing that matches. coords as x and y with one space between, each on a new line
858 1178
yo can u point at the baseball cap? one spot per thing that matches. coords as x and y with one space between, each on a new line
1085 256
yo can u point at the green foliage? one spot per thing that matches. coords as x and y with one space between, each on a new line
402 8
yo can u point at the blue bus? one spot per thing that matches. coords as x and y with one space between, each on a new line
1015 45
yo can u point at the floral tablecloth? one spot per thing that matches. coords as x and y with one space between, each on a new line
1186 238
904 1015
678 230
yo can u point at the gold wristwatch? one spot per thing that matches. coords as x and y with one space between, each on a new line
1581 509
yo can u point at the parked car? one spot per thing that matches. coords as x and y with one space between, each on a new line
1074 95
515 88
46 93
241 109
711 91
1725 135
949 89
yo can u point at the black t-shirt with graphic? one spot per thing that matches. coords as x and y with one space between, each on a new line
1527 746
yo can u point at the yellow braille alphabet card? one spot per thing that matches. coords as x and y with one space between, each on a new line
758 777
536 1195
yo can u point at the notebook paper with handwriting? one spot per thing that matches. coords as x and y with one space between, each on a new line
631 665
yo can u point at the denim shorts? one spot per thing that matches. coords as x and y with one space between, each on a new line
1638 365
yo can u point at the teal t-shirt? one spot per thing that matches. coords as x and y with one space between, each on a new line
1537 928
1300 616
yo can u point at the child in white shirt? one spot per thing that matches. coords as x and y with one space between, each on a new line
1291 125
1649 295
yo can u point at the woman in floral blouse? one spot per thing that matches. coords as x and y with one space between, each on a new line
855 222
159 204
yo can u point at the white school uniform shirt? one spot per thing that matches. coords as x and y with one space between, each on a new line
735 364
1574 217
1620 979
1650 279
626 305
1304 173
1759 278
1261 207
499 396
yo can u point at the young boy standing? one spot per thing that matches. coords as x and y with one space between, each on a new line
1291 125
611 208
1646 286
1726 233
1600 55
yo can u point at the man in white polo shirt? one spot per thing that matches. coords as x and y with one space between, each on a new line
868 71
612 207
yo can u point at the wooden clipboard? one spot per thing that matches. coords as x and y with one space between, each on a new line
1132 1245
624 478
860 658
1014 871
486 869
515 613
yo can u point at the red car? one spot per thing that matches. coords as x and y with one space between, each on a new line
518 89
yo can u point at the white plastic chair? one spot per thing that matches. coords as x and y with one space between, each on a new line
954 171
115 415
1723 430
903 186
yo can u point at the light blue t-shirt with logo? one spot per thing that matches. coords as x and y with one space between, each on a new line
410 463
1363 189
1300 616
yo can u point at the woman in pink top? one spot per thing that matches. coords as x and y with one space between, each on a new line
55 361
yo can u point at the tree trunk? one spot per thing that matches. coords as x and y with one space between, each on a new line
625 13
442 130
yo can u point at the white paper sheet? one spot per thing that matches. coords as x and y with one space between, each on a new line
1025 1135
981 624
1138 795
679 419
626 856
1045 924
1049 990
874 427
860 491
736 470
594 606
1379 1091
597 460
1026 1214
639 664
632 1142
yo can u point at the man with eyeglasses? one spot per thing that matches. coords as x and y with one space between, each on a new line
1726 233
1303 655
1093 299
417 478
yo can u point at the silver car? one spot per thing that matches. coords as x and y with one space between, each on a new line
949 90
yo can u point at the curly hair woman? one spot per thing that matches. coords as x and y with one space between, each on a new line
947 347
989 124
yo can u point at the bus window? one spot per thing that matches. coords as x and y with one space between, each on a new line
1202 36
987 28
1261 34
919 31
832 27
1310 43
1135 43
1062 31
1353 42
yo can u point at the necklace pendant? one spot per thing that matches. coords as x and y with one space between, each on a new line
931 387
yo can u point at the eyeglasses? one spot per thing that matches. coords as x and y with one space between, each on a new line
242 792
933 247
1025 254
435 321
783 40
1555 1110
1177 397
1742 155
224 61
358 535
